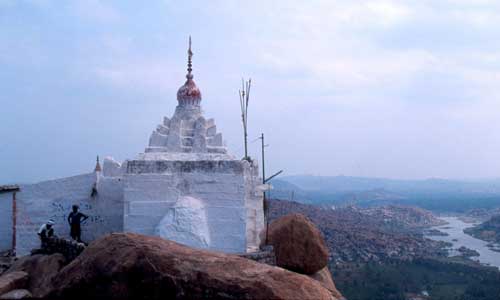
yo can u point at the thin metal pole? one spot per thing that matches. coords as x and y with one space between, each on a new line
265 204
244 99
263 162
246 144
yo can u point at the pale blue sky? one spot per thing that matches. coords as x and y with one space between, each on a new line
400 89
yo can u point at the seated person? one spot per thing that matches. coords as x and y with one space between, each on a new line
46 231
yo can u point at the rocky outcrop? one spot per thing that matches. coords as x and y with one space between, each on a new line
265 256
68 248
186 223
298 244
42 269
6 258
401 216
131 266
325 278
12 281
353 236
488 231
300 247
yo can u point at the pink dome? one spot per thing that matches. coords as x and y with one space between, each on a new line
189 93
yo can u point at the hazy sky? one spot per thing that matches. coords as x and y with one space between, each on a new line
400 89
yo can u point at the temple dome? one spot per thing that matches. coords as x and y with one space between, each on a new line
189 93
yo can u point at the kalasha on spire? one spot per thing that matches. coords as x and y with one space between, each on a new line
189 94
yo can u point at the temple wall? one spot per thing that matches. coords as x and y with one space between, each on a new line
152 189
224 198
254 207
37 203
6 221
148 194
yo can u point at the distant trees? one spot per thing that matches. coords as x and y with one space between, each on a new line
442 279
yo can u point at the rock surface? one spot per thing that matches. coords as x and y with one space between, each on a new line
131 266
488 231
353 236
298 244
186 223
12 281
17 294
41 268
325 278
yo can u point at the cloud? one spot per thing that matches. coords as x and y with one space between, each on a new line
96 11
391 87
139 75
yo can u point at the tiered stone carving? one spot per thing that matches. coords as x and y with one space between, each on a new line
188 132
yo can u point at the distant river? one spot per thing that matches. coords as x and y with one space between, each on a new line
455 230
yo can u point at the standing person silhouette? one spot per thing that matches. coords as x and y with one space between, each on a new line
75 219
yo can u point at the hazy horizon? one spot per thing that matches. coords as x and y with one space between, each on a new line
387 89
284 176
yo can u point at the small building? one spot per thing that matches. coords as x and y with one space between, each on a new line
185 187
7 216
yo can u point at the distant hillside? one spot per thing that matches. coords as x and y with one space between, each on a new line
288 191
487 231
359 235
434 194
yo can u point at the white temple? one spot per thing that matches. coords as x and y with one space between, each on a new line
184 187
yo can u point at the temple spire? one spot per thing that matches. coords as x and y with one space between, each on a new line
190 63
189 94
97 165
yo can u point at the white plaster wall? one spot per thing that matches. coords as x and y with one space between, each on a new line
112 168
108 207
147 198
36 203
138 202
6 221
224 198
254 206
153 188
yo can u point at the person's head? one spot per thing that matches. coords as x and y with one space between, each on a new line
75 208
50 223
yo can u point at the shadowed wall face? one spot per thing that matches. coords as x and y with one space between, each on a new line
37 203
6 221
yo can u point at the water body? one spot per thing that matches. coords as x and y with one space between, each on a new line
455 230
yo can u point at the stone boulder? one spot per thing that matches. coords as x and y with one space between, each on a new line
298 244
41 268
325 278
13 281
133 266
186 223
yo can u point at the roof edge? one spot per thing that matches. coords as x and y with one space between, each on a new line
9 188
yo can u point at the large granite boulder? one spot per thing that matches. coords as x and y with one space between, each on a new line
41 268
298 244
132 266
13 281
